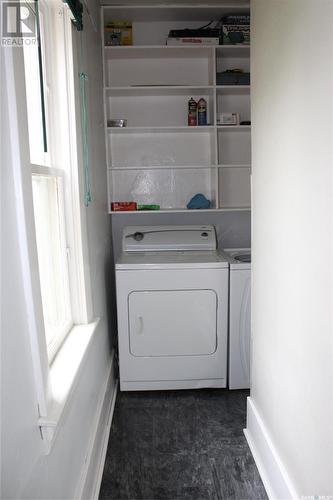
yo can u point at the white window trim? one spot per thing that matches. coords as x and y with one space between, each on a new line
19 145
75 213
64 375
50 410
62 158
77 223
54 173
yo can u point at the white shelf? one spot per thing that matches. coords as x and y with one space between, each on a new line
130 51
131 48
177 167
236 128
183 210
158 158
171 89
126 66
241 165
221 49
233 50
159 90
233 89
186 128
193 50
166 167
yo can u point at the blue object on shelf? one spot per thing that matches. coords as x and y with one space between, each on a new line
232 77
198 201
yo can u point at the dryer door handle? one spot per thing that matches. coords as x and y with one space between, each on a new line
140 326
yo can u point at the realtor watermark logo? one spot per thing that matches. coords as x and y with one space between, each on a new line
18 26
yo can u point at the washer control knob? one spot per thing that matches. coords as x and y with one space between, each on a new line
138 236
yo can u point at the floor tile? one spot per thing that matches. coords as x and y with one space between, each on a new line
177 445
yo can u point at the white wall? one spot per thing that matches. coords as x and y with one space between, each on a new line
26 471
292 97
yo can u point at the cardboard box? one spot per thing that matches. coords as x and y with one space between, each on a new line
118 33
123 206
228 119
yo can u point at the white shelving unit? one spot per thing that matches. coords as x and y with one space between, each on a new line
157 158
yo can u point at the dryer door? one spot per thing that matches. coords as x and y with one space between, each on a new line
172 322
172 328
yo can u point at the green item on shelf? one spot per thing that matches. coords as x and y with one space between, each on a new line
148 207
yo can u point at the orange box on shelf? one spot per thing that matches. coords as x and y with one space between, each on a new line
123 206
118 33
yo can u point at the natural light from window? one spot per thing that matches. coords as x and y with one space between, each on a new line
47 80
52 258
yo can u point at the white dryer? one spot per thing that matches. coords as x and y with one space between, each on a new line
172 306
239 318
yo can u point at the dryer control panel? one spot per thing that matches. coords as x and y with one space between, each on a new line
169 238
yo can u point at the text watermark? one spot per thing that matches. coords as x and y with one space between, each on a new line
18 26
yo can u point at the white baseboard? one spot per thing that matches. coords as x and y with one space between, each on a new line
91 475
104 447
273 473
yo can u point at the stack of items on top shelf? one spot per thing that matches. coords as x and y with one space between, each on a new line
236 30
207 36
229 30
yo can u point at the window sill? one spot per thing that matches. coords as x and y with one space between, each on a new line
64 374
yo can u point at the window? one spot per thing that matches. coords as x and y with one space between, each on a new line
53 167
52 259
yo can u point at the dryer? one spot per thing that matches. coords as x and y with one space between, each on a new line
172 307
239 348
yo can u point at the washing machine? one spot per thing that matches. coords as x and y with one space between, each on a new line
172 307
239 318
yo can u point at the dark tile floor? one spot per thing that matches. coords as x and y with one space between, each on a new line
180 445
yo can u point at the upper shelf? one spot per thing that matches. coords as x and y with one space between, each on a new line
166 66
152 21
176 129
158 66
182 211
233 50
158 51
163 90
123 50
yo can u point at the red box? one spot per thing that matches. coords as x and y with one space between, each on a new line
123 206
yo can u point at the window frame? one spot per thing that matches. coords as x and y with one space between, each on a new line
62 332
56 20
50 410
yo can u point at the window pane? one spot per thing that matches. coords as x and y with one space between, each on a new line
34 97
52 259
